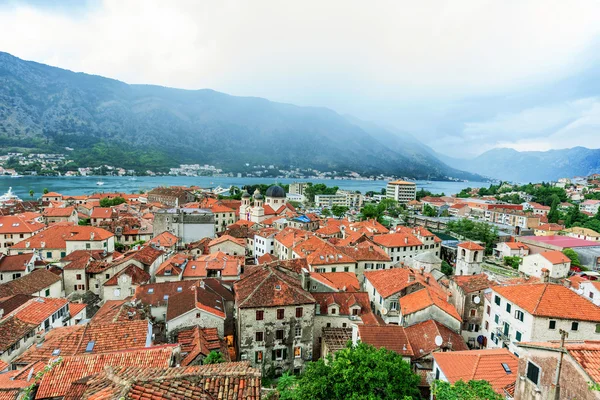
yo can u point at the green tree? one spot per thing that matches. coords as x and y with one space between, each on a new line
447 269
512 261
359 372
369 211
429 211
31 193
108 202
214 357
326 212
46 191
474 230
285 386
339 211
119 247
574 257
554 214
472 390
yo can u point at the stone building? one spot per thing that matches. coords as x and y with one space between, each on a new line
467 296
173 197
189 224
469 258
275 318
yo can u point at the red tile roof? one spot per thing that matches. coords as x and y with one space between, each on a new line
339 281
76 308
138 276
266 258
479 365
153 294
422 338
550 300
471 246
556 257
424 298
390 281
397 240
269 286
328 254
39 309
58 211
391 337
195 298
17 262
472 283
57 381
165 239
229 266
31 283
12 330
55 236
366 251
517 246
344 300
103 213
196 341
18 224
550 227
11 303
226 238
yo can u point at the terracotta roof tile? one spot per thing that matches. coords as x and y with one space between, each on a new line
422 338
424 298
31 283
342 281
138 276
479 365
268 286
397 240
153 294
471 246
226 265
226 238
550 300
165 239
12 330
390 281
555 257
344 301
55 236
58 211
17 262
18 224
196 341
39 309
57 381
391 337
472 283
196 297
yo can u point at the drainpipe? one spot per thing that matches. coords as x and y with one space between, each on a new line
563 334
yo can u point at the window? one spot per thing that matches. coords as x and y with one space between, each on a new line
260 315
279 334
198 315
518 336
298 332
519 315
393 306
333 310
260 336
48 254
597 328
496 318
487 326
63 254
47 293
552 325
497 300
473 312
258 356
488 310
78 277
574 326
591 295
346 269
280 313
533 372
87 246
117 292
299 312
355 311
297 352
279 354
508 307
107 276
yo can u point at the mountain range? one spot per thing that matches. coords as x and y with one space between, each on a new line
531 166
144 126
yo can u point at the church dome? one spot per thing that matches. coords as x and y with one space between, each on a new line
275 191
258 196
245 195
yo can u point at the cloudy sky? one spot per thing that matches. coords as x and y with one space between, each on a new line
462 76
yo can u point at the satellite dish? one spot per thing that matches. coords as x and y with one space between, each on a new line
476 300
438 340
384 311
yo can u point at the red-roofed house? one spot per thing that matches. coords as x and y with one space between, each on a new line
511 249
399 246
527 312
469 256
333 282
124 283
165 241
553 264
273 309
102 216
52 196
391 337
217 265
15 266
579 368
467 294
228 245
497 366
14 228
53 215
548 229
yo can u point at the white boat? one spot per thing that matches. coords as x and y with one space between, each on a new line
15 175
99 183
9 197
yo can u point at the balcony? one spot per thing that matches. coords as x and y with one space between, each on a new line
501 336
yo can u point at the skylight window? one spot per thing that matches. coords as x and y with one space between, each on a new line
166 297
179 289
90 346
55 352
151 290
506 368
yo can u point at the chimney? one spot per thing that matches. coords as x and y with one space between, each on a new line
567 283
354 334
305 278
411 277
427 280
422 270
406 240
92 236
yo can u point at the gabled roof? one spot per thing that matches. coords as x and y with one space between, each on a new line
422 338
195 341
18 224
268 286
328 254
472 283
73 340
12 330
16 263
365 251
118 311
228 265
227 238
551 301
470 246
31 283
39 309
556 257
153 294
58 211
172 265
195 298
102 212
391 337
391 281
338 281
138 276
479 365
516 246
55 236
165 239
397 240
57 381
11 303
424 298
344 300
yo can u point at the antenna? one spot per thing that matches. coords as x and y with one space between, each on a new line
438 340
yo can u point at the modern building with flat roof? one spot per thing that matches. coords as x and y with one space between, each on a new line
401 191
